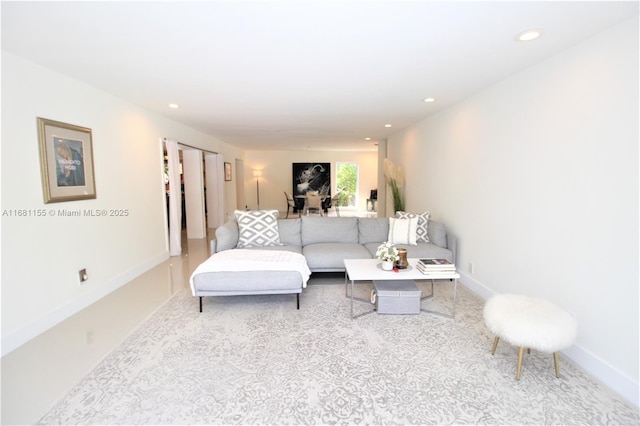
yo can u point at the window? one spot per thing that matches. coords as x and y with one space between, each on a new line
347 184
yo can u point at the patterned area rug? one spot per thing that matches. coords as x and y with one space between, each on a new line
257 360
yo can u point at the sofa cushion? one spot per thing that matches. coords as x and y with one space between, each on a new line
418 251
402 231
246 282
427 250
373 230
283 247
422 234
257 228
330 256
289 230
319 229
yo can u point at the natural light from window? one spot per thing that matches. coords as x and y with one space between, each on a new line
347 184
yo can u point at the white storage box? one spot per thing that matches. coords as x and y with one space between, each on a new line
396 297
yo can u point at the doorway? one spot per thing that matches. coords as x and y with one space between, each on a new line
196 208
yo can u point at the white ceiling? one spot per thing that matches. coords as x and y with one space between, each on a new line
297 74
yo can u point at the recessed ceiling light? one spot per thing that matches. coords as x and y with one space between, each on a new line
174 106
367 139
528 35
428 100
387 125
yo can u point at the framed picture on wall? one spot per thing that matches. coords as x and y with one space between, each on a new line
227 172
66 161
311 177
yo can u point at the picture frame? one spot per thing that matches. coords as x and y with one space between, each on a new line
66 161
227 172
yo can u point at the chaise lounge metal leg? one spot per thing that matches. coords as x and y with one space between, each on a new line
298 300
200 303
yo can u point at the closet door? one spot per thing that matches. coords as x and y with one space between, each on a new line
192 172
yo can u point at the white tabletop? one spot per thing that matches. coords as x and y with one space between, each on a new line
370 269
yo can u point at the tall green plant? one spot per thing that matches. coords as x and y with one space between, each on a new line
398 201
394 176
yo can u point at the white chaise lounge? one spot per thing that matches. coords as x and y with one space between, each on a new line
242 272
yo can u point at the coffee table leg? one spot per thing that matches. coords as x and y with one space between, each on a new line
358 299
351 298
346 281
455 288
452 315
428 296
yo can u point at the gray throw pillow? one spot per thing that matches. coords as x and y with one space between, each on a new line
422 235
257 228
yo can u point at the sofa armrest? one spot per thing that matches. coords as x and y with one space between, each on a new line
227 236
452 244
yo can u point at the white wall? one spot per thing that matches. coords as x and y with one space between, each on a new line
277 174
41 256
538 177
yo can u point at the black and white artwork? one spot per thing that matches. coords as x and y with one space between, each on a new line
311 177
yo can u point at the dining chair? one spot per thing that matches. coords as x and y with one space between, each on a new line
314 202
291 205
334 202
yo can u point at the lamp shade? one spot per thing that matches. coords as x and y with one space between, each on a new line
257 173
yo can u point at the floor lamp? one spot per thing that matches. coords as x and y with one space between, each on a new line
257 173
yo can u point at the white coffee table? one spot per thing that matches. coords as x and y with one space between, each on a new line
369 270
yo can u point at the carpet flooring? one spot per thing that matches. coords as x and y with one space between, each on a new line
258 360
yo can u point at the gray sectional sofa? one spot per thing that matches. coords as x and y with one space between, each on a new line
326 241
323 241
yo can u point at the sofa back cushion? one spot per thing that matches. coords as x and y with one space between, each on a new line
329 230
290 232
372 230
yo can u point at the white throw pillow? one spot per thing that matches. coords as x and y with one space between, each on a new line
403 231
423 223
257 228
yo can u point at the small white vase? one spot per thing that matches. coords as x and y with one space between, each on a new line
387 266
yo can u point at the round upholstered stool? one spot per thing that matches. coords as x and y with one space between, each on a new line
529 323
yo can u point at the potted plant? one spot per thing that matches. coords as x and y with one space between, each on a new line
388 254
394 175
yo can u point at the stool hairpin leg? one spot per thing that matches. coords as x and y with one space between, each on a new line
519 367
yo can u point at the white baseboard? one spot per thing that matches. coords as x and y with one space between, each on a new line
619 382
605 373
19 337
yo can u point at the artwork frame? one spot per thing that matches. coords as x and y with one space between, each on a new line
227 172
311 177
66 161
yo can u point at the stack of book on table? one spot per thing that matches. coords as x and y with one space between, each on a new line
440 267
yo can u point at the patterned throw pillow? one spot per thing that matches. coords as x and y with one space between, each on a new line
403 231
257 228
423 223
